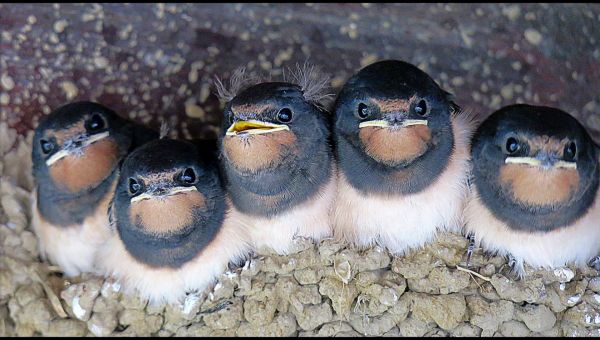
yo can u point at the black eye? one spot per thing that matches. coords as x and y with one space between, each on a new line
512 145
421 108
570 152
363 111
188 176
284 115
95 123
134 187
46 146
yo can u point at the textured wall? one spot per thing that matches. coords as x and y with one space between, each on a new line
151 61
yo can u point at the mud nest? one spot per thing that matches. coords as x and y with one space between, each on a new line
323 289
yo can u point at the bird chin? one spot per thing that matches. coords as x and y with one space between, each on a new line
536 186
394 147
78 172
258 152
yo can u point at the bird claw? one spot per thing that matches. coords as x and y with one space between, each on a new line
516 267
470 248
595 263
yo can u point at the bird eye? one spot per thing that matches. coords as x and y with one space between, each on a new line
95 123
421 107
134 187
570 152
512 145
188 176
284 115
46 146
363 111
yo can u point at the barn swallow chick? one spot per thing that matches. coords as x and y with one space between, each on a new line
402 149
76 153
535 188
173 232
277 157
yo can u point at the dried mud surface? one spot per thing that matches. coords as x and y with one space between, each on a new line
323 289
155 61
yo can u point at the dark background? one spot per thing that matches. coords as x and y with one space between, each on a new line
150 61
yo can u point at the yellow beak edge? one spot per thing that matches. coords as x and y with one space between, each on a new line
254 127
385 123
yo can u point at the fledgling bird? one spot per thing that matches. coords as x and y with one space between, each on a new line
277 157
402 150
76 153
173 229
535 188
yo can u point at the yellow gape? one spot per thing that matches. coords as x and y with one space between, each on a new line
254 127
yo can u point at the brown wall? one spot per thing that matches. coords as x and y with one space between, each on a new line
149 60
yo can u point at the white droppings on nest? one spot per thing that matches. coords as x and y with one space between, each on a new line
574 299
564 274
97 330
230 275
191 301
110 285
77 309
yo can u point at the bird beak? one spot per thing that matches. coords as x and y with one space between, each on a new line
385 123
253 127
540 162
76 143
162 193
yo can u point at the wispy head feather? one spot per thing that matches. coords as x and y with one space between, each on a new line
239 81
309 78
164 129
312 81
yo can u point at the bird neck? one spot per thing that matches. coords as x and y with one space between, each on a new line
525 217
68 209
271 192
172 249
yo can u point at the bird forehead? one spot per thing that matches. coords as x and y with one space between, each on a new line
543 142
548 142
67 132
162 176
394 104
257 108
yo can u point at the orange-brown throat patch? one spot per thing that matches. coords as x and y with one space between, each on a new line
394 105
77 173
167 214
535 186
395 146
258 152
